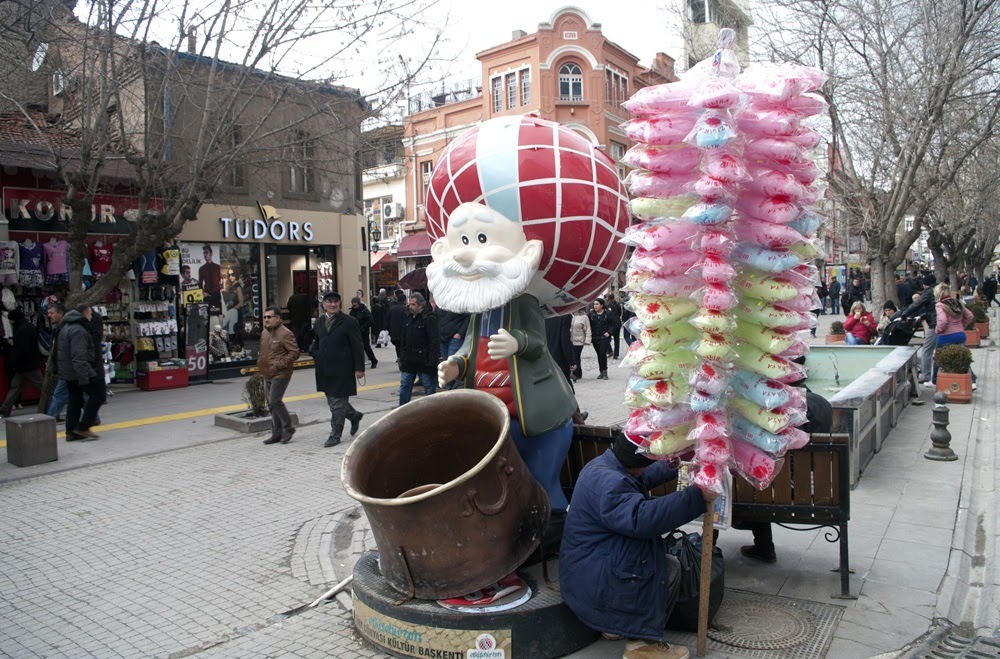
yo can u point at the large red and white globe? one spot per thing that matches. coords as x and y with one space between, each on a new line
561 188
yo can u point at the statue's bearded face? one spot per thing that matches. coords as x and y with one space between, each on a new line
483 262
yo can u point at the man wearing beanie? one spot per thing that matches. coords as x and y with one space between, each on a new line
925 308
614 570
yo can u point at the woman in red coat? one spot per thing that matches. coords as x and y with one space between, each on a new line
860 326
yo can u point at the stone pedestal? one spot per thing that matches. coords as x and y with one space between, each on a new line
31 440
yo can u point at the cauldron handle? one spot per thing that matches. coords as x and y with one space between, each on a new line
470 503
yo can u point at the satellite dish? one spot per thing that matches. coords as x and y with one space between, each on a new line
39 56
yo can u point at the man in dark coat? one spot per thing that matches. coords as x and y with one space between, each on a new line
340 362
420 349
298 315
557 337
378 318
925 308
834 291
395 317
615 310
75 363
25 360
614 570
360 313
990 291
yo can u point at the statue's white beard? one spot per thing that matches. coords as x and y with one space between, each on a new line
500 283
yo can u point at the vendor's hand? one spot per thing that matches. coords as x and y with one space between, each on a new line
447 371
359 374
709 495
502 345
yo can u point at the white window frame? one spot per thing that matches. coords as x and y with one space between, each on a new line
525 75
510 82
496 87
571 74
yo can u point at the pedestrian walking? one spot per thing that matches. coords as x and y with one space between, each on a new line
278 352
990 291
834 292
580 336
615 310
420 349
394 319
602 325
340 363
25 358
560 345
76 364
924 308
361 313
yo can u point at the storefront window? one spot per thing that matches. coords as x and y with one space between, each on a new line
220 292
297 277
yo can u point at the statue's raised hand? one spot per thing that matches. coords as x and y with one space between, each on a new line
502 345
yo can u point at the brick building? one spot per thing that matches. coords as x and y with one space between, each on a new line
567 71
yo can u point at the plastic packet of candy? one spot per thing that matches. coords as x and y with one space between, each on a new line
667 338
668 417
771 341
666 365
651 208
673 160
771 183
708 378
669 286
715 347
661 236
657 312
795 438
702 401
754 465
807 250
663 263
713 241
806 173
669 97
803 302
661 393
762 258
779 82
714 322
769 315
713 129
766 151
709 425
651 184
769 442
636 352
770 287
769 394
807 105
772 367
714 450
713 189
715 94
661 130
798 349
715 297
668 443
767 234
779 209
807 223
768 122
807 273
724 166
637 424
774 420
805 137
713 269
708 213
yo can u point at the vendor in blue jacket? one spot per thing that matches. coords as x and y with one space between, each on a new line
614 570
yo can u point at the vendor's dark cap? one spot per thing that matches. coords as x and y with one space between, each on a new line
625 451
332 295
930 280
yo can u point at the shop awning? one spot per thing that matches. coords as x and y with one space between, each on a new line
381 258
414 245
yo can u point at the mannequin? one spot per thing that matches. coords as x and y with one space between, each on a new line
28 243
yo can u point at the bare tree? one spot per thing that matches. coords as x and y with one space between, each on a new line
913 94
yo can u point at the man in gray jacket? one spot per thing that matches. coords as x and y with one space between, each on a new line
75 363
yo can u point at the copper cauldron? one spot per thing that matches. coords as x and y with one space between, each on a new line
451 504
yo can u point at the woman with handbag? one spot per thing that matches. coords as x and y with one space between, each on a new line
602 328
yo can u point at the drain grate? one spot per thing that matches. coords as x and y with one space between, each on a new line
768 627
957 643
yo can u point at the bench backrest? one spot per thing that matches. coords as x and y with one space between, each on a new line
814 475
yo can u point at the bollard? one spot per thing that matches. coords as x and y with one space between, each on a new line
940 437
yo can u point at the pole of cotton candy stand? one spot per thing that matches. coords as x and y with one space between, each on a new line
705 587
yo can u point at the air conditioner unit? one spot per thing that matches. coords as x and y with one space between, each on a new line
392 211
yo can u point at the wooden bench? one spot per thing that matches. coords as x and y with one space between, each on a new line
812 489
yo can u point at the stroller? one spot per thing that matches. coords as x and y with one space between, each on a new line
898 332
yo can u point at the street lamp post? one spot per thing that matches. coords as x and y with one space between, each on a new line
374 235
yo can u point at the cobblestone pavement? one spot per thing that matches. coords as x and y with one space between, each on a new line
171 554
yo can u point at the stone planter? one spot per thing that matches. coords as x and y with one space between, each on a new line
241 421
984 330
972 339
836 338
958 386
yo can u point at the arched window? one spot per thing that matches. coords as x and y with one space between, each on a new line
570 82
